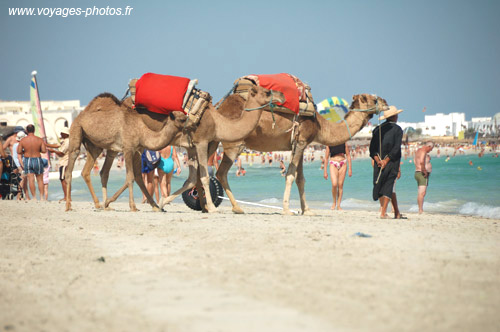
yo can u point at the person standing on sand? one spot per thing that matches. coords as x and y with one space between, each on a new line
9 143
166 169
62 153
423 169
339 159
385 150
3 155
30 148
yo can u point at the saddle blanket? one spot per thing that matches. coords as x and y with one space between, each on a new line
161 93
297 93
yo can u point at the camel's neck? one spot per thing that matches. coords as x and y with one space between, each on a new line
158 136
332 134
240 127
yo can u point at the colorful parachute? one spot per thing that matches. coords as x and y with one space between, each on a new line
333 109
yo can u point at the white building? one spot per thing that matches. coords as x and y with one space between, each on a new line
434 125
486 125
56 115
444 124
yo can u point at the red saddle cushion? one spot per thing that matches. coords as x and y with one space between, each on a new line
161 93
286 85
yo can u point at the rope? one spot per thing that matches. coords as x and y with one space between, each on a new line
271 106
227 95
380 148
350 136
125 95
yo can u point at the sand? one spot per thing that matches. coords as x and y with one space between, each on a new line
91 270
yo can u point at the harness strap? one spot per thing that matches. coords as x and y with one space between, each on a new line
233 89
271 106
349 131
125 95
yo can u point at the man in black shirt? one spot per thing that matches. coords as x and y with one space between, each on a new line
385 150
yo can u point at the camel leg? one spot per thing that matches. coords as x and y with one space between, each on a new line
201 192
104 173
140 182
301 181
290 176
72 155
202 152
191 180
92 154
129 182
224 167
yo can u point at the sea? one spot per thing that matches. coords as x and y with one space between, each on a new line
456 187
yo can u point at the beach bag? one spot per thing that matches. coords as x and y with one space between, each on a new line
152 159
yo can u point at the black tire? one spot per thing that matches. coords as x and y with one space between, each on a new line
190 197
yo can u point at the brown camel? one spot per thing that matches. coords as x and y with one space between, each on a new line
212 126
221 126
308 129
225 124
106 123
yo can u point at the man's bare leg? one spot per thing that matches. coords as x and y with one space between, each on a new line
420 198
384 202
31 185
395 207
41 187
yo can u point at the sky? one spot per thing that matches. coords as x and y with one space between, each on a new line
442 55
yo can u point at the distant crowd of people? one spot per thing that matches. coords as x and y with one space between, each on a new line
30 160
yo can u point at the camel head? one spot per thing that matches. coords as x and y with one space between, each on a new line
179 119
367 105
265 97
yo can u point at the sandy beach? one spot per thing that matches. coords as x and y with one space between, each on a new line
90 270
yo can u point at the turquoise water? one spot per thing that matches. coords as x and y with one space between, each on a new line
455 187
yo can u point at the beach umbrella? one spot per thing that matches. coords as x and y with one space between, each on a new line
409 130
333 109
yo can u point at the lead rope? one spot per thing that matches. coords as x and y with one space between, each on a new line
125 95
380 141
271 106
233 89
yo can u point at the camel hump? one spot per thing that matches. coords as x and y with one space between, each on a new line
104 100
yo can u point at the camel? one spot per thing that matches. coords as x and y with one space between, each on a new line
216 126
107 123
212 126
307 130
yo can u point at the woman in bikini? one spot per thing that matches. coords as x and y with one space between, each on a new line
338 157
166 169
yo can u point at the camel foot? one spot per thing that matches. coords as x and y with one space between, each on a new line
108 208
134 209
288 212
69 209
308 213
157 209
238 210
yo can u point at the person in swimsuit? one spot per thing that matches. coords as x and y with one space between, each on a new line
423 169
213 163
166 169
30 148
339 158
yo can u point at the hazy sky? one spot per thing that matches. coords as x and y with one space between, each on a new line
444 55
